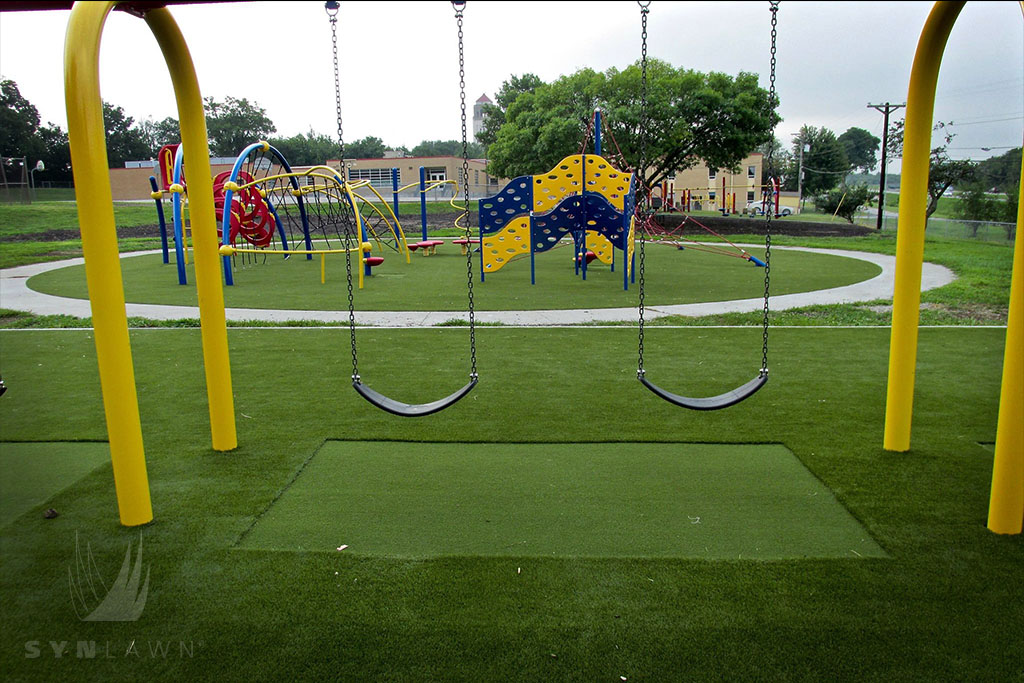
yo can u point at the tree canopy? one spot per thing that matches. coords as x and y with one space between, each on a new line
19 121
309 149
861 149
366 148
1001 173
692 117
125 141
235 123
825 163
843 201
440 148
22 135
494 114
160 133
944 172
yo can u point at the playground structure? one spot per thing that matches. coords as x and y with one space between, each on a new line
103 271
262 196
584 197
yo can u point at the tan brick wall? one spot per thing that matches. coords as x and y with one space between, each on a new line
409 171
133 183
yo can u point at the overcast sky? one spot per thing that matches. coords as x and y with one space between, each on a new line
400 60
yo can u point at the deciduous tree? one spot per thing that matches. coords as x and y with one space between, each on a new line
125 141
234 124
309 149
824 165
691 117
494 114
861 149
367 148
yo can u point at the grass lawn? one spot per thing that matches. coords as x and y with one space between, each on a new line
404 499
558 523
941 601
438 282
41 217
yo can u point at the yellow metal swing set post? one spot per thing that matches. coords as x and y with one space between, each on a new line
99 246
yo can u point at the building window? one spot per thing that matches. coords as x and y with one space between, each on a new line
712 173
476 177
751 171
376 176
711 196
437 173
750 196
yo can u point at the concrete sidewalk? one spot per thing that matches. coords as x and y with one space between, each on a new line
15 294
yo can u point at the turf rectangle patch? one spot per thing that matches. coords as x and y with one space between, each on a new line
35 472
420 500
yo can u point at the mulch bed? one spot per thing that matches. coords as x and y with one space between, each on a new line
755 225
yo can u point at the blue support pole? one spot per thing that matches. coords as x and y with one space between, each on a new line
394 190
533 256
583 223
179 237
480 233
178 178
597 132
423 202
280 227
365 234
160 217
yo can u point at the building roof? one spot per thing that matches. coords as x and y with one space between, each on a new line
484 99
442 156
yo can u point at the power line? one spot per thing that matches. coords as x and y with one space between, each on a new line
987 149
974 123
814 170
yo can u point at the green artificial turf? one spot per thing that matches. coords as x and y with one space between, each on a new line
438 282
421 500
35 472
944 604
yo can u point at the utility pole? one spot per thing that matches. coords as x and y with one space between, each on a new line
800 173
886 109
800 179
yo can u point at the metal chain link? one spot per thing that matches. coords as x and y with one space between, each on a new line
351 300
459 7
332 15
768 214
642 203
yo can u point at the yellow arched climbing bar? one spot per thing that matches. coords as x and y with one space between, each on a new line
102 263
205 243
917 137
1006 504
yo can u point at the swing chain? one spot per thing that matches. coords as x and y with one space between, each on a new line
641 208
332 14
459 7
772 95
351 300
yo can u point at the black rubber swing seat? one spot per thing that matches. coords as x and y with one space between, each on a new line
725 400
410 409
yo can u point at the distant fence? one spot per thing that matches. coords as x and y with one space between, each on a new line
985 231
